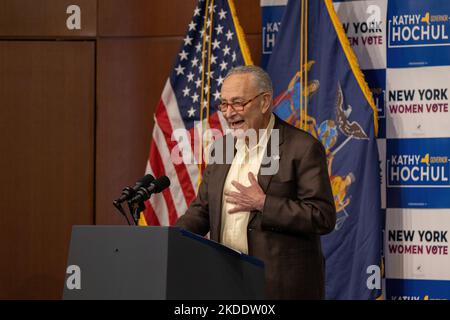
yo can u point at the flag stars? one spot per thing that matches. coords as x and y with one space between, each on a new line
192 26
198 82
233 56
217 95
198 47
186 91
179 70
183 55
190 77
219 29
197 11
222 14
226 50
213 59
213 8
219 80
187 40
229 35
208 23
216 44
195 97
194 62
223 65
191 112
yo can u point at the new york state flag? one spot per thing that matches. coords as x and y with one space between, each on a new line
319 88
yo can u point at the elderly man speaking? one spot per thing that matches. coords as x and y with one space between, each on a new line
275 217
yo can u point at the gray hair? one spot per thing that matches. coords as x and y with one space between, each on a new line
261 76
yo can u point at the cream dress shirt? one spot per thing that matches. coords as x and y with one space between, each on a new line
234 226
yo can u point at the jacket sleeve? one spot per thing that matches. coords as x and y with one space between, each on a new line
196 218
313 210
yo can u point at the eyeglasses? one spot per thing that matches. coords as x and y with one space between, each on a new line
237 105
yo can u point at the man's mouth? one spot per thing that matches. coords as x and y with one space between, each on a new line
237 124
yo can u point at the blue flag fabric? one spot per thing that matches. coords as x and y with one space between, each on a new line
328 97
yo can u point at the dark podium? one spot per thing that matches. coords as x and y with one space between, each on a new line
124 262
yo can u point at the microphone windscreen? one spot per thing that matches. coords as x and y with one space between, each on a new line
161 183
146 180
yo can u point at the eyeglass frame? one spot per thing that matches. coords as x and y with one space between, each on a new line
241 104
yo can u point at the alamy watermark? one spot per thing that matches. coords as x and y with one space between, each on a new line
73 280
219 147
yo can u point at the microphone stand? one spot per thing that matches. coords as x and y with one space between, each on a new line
135 210
119 207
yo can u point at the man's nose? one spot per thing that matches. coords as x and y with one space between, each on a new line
229 112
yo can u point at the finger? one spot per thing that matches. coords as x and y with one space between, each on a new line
232 194
238 186
231 200
252 178
237 195
236 209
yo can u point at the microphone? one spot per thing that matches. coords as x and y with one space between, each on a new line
129 192
155 186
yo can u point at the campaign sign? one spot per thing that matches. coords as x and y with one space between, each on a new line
418 173
416 28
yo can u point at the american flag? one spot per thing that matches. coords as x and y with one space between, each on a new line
214 43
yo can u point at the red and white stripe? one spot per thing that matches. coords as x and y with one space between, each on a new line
164 208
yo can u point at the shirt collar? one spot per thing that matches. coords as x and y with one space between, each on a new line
240 143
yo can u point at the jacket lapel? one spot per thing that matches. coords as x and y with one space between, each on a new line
216 185
268 157
216 188
218 177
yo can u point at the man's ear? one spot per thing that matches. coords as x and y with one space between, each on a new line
267 103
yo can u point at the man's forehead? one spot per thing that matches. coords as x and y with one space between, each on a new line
237 86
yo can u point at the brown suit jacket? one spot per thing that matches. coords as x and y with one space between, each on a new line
299 207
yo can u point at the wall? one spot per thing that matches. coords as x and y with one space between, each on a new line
140 48
76 116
